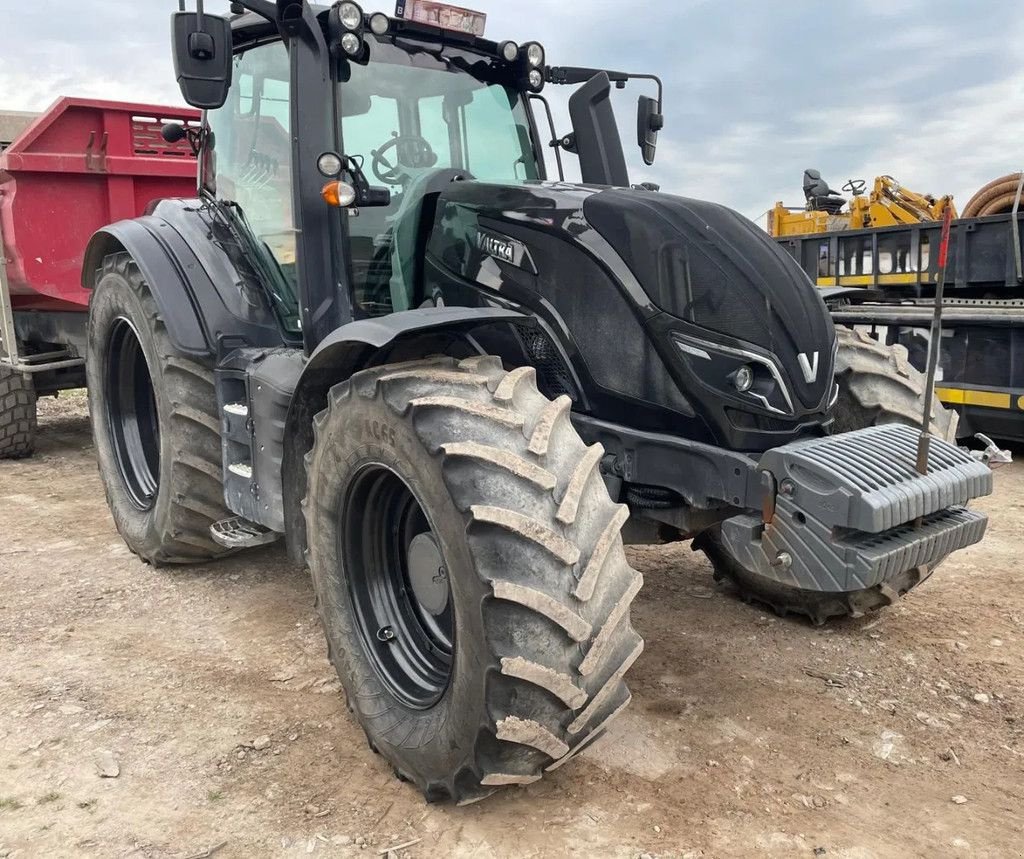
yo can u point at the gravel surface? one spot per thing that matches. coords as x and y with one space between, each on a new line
192 712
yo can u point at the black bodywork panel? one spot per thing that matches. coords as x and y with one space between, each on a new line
613 312
210 298
709 266
354 347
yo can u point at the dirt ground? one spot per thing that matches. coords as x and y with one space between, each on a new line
205 698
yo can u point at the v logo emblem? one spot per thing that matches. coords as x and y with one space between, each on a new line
809 366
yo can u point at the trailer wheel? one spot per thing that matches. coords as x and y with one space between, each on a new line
155 424
469 573
877 385
17 414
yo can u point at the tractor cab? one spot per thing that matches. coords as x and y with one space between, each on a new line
393 110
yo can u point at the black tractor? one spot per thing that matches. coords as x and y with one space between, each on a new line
454 385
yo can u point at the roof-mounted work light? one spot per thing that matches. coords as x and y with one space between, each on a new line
532 54
345 24
509 51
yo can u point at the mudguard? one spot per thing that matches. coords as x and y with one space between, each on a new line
209 298
351 348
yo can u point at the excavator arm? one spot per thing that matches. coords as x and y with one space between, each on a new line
892 205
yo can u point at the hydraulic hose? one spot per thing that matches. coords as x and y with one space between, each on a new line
996 198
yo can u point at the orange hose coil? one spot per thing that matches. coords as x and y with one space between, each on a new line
996 198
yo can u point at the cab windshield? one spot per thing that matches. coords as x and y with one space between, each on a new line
414 119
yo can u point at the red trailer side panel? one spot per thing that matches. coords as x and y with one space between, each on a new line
82 165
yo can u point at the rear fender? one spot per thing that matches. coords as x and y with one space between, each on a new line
404 336
208 297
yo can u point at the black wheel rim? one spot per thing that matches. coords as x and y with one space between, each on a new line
132 415
399 586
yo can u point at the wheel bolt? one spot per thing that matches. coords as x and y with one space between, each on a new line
386 633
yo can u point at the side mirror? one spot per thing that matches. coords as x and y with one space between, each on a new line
648 123
202 58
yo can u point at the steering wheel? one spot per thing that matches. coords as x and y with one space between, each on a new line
415 152
855 187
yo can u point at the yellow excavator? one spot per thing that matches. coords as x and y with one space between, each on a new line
888 205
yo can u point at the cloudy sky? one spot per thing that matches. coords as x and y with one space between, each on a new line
930 91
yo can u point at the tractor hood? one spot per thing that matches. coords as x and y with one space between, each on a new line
662 298
710 266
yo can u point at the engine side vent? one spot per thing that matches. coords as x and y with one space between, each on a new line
554 378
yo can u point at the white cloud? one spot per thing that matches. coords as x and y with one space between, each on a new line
925 90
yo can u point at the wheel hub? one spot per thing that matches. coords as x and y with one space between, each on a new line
398 585
427 574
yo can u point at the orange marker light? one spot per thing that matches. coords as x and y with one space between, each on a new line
338 194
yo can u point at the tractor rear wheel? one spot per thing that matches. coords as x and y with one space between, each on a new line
469 573
877 385
155 424
17 414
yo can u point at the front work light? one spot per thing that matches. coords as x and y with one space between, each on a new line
351 44
350 15
534 55
536 79
329 164
509 51
379 24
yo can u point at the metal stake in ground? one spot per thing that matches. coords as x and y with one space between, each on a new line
924 445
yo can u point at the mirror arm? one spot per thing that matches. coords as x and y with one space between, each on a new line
555 143
263 8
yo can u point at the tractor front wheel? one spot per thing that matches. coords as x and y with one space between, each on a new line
469 573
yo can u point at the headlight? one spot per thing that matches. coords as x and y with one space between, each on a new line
351 44
534 55
743 378
350 15
379 24
536 79
739 374
509 51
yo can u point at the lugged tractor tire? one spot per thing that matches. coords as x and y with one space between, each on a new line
163 481
528 548
17 414
877 385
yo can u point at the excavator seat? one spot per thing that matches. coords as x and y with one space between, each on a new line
820 197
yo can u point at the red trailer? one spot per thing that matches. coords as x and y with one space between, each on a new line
81 165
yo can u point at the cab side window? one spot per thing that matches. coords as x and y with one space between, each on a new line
253 148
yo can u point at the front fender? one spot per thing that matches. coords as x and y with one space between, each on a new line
357 346
208 300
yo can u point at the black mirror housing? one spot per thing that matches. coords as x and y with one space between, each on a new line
649 121
202 58
598 144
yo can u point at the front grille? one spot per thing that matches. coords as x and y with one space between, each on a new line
554 378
